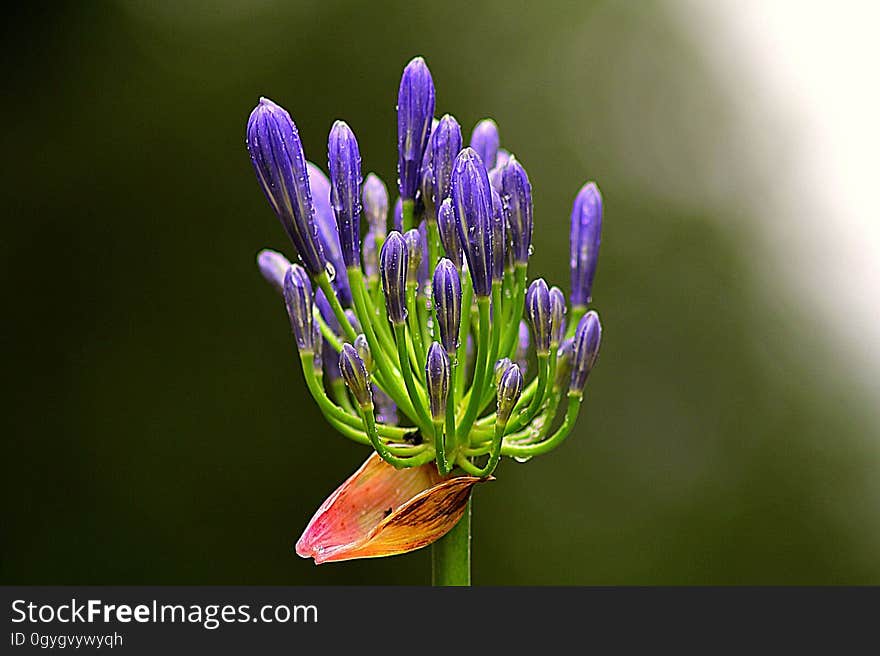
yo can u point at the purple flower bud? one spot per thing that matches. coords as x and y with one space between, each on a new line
484 139
538 313
375 196
415 111
414 254
587 338
445 146
345 191
437 380
398 214
386 410
327 313
449 233
371 257
426 182
318 349
353 320
517 192
500 367
392 269
509 390
586 233
472 202
363 350
328 234
502 158
330 361
298 299
499 235
563 363
522 346
557 316
354 372
424 272
273 265
277 155
447 304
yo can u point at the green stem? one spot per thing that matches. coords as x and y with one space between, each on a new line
482 356
451 554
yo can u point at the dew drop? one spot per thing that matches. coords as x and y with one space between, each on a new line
522 459
331 271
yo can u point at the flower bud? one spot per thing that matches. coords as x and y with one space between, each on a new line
386 409
563 363
499 236
557 316
371 257
500 367
392 270
449 233
398 214
472 202
538 313
363 350
447 304
354 372
414 254
502 158
327 313
330 361
328 233
273 266
484 139
587 339
517 191
375 197
509 390
277 156
298 299
445 146
437 380
345 191
522 346
586 232
415 111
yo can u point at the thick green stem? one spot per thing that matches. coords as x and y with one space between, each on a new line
451 554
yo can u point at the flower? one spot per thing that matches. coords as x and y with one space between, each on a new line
484 139
392 270
383 511
415 111
345 190
517 190
586 234
472 203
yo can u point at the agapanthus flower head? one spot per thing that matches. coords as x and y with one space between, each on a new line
538 312
437 372
345 191
449 232
328 232
445 146
485 140
277 155
557 316
354 373
415 111
273 267
392 271
375 203
509 390
517 193
462 241
414 254
447 304
587 339
586 233
472 203
298 299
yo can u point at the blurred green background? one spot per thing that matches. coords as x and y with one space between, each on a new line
157 426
